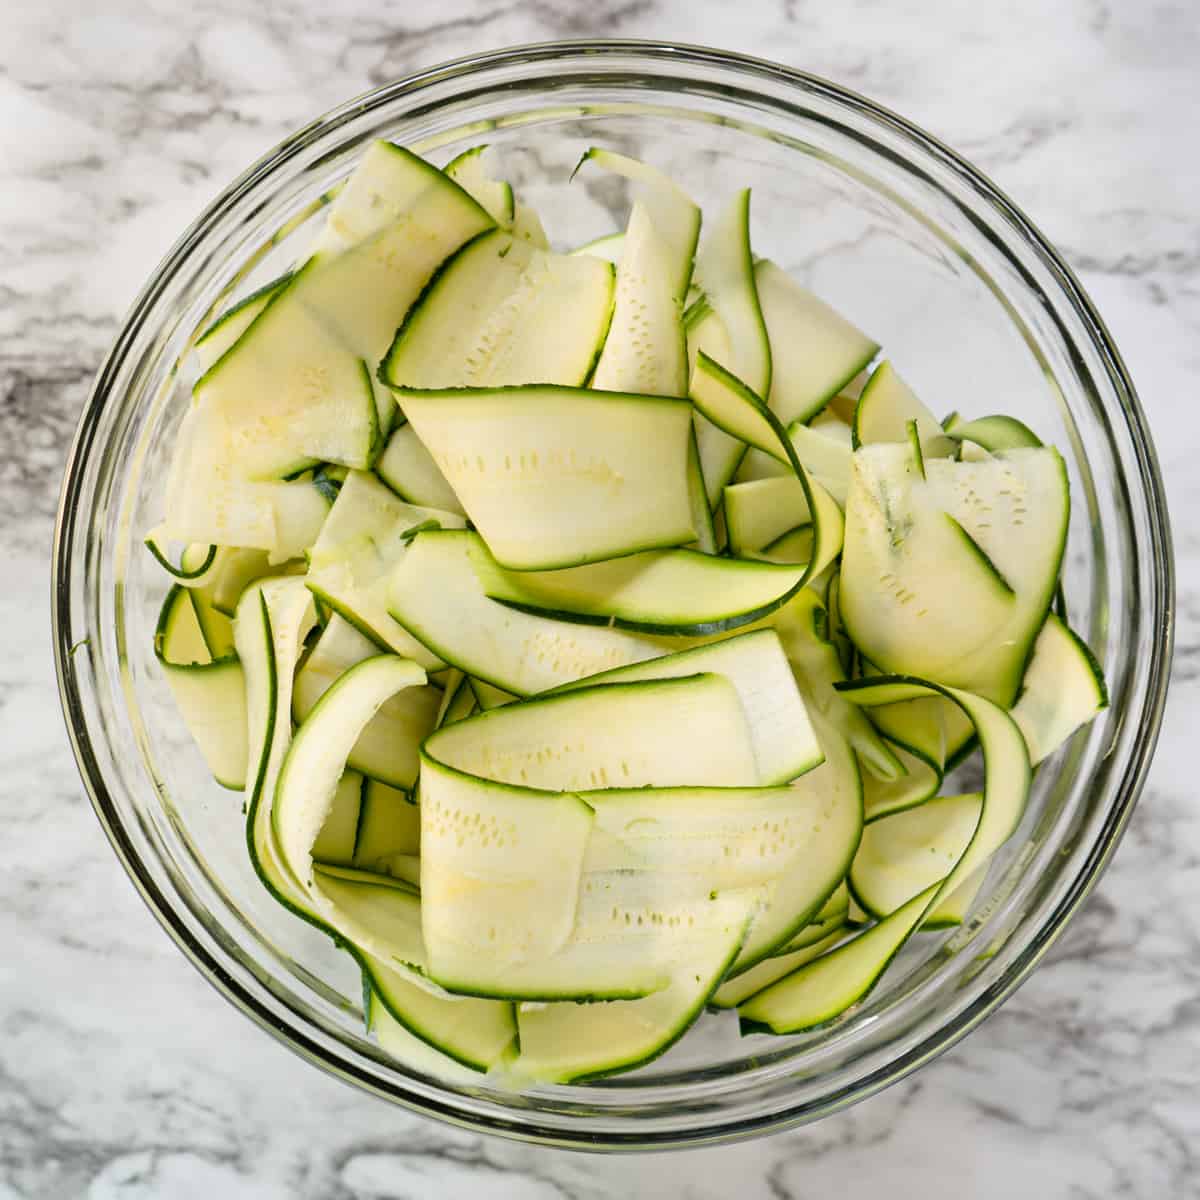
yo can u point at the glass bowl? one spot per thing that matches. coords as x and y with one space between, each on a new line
915 246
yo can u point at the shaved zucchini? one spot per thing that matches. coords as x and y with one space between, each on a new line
1063 688
814 350
391 186
952 910
477 1033
210 499
920 782
387 749
725 837
673 214
381 917
492 855
616 465
563 1043
993 433
458 700
368 531
899 543
826 459
702 515
451 682
230 326
833 910
198 565
929 727
831 919
317 754
481 822
856 918
720 453
404 1047
645 350
527 227
215 626
656 591
608 247
818 992
389 827
409 470
436 595
273 618
793 843
495 196
828 801
681 591
794 546
686 731
734 333
740 987
903 854
209 692
629 930
487 696
297 386
732 406
334 844
383 922
1016 507
785 743
977 635
661 733
290 392
886 406
237 569
759 513
801 626
550 855
725 273
503 313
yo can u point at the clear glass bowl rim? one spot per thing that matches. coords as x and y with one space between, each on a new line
645 54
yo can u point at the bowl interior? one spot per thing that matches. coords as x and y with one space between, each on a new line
897 236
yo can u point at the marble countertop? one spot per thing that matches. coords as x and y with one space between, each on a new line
122 1073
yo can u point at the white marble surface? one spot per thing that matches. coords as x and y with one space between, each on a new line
122 1074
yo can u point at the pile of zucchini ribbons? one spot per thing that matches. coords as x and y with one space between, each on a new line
591 633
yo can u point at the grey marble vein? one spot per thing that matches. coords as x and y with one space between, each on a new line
122 1075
